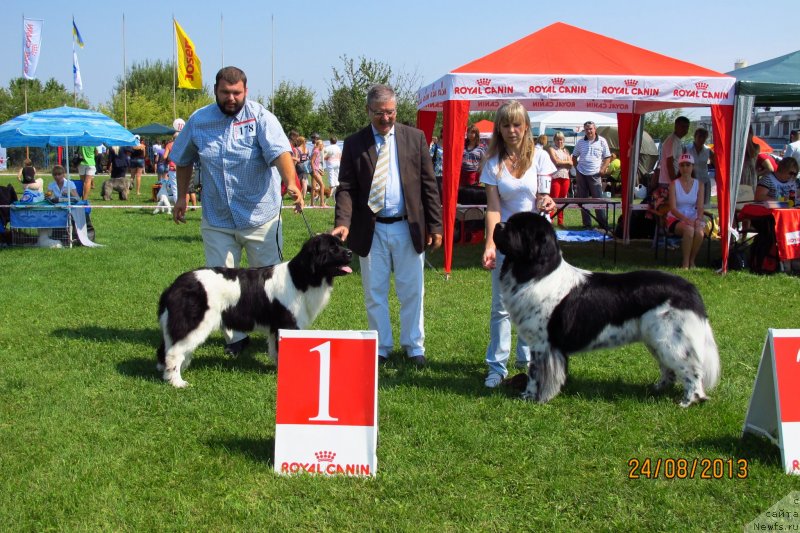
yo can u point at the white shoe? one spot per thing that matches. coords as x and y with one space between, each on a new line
493 380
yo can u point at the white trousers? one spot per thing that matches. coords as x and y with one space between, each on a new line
223 248
393 251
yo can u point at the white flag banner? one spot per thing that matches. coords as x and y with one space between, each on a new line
3 159
31 46
76 72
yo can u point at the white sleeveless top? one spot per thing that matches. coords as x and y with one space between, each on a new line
686 202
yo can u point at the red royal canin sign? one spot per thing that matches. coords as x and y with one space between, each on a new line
326 419
774 410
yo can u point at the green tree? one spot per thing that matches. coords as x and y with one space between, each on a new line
293 105
40 96
660 124
347 94
149 96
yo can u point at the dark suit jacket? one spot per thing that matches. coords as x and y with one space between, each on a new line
422 203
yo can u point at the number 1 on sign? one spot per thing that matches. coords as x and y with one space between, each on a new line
323 414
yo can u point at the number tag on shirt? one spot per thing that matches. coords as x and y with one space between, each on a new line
245 129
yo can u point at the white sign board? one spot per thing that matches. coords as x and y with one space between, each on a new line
326 417
774 410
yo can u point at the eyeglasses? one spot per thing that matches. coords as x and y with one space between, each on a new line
388 113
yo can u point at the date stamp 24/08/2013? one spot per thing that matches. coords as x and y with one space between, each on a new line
681 468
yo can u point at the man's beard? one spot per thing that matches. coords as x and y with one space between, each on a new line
231 113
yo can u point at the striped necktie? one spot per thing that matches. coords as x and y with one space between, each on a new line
377 192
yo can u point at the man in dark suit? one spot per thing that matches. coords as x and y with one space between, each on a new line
388 210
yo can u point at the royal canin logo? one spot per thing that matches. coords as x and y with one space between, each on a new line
702 86
325 464
483 81
325 456
631 83
557 81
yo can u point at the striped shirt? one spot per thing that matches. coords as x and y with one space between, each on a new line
240 187
590 155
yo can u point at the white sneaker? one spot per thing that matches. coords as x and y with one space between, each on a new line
493 380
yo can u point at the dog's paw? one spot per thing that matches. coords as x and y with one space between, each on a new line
694 399
178 383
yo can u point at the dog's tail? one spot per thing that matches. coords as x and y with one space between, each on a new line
710 358
550 372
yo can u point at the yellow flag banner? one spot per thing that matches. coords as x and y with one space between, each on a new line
189 74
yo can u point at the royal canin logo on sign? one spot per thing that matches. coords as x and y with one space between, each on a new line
325 464
700 90
558 86
630 87
483 86
325 456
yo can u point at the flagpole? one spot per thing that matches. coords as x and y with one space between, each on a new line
174 69
24 80
74 88
124 78
272 99
222 39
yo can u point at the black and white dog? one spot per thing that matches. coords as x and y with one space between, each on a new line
285 296
560 310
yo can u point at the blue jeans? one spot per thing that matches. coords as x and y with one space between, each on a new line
500 330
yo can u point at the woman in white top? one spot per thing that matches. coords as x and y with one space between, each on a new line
512 171
685 217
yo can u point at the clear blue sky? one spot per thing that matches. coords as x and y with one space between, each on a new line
426 38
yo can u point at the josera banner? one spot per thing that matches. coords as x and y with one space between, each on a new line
189 73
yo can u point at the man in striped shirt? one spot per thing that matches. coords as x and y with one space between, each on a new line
244 154
591 157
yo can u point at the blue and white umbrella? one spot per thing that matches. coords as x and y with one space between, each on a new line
64 126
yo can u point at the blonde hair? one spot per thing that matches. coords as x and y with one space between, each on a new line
511 111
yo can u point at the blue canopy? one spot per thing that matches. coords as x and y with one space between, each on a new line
64 126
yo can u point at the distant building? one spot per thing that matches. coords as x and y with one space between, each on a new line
772 126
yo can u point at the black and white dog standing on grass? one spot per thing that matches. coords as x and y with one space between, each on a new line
560 310
285 296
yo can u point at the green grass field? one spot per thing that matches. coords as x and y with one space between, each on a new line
92 439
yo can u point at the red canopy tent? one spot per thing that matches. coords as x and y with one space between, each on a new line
585 72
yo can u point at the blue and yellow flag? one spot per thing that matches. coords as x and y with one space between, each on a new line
76 34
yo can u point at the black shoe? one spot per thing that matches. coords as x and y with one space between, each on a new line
235 348
418 360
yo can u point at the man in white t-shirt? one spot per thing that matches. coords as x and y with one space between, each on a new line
591 157
793 148
671 150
